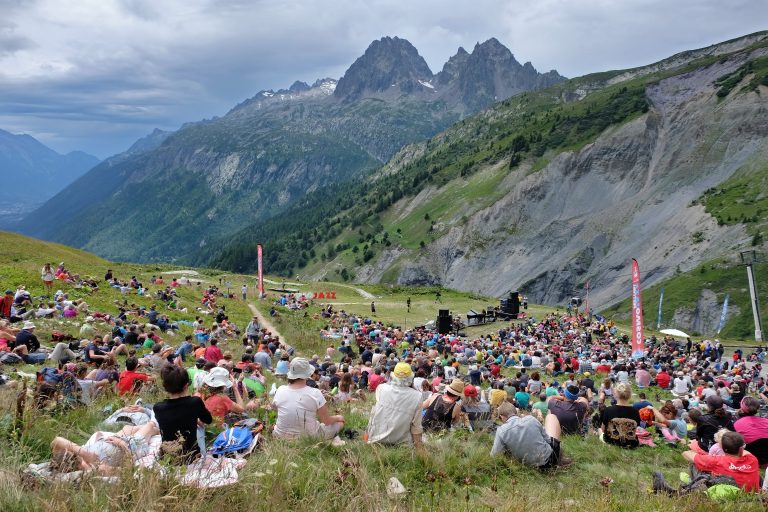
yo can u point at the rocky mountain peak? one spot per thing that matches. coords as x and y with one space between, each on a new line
299 86
453 67
490 73
388 62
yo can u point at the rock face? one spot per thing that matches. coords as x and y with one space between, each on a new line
491 73
705 316
176 192
585 214
482 218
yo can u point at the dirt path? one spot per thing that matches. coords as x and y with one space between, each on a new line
364 294
265 323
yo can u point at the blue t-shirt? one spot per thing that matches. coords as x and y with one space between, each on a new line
522 398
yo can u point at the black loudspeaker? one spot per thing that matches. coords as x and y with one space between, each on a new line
444 324
511 306
443 313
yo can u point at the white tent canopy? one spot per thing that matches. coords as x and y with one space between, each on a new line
675 333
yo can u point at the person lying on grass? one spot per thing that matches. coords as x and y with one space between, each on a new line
526 440
105 452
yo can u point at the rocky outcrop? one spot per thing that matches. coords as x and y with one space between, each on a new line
704 318
629 194
387 63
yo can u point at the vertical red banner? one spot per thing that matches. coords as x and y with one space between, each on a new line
638 341
259 259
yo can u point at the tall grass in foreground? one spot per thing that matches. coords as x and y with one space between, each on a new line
456 473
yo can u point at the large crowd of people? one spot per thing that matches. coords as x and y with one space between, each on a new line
526 386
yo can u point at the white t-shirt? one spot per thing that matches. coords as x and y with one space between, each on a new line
297 411
680 385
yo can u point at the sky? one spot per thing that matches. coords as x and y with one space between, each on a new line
95 75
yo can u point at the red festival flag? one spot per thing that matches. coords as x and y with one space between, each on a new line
638 341
259 253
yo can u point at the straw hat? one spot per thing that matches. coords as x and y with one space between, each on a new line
456 388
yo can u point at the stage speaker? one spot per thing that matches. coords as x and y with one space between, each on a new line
444 324
443 313
511 306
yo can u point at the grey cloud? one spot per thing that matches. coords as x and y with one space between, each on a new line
10 41
238 47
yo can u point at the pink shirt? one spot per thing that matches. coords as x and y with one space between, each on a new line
643 378
752 428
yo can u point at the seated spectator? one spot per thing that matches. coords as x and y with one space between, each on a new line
302 410
663 379
396 416
736 467
753 428
673 428
708 424
477 413
130 380
179 414
570 409
216 383
619 422
642 403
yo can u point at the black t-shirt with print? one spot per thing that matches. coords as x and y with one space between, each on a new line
177 418
622 431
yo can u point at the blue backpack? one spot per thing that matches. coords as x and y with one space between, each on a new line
232 440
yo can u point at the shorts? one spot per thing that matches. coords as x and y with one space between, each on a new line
554 458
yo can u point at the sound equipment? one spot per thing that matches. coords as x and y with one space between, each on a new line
444 321
511 306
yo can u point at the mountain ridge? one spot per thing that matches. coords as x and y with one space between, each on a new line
265 153
587 167
32 172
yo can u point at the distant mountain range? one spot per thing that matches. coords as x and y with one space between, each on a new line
32 173
179 192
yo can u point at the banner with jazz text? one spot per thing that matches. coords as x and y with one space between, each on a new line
638 340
